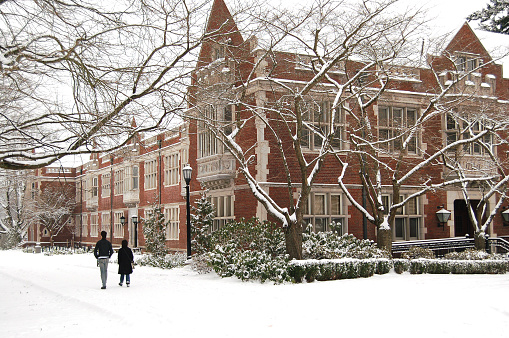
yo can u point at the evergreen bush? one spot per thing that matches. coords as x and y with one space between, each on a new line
202 220
330 245
472 254
154 230
417 252
168 261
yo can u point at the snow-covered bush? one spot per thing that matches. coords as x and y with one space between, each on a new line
201 263
250 250
401 265
168 261
154 230
416 252
333 269
251 235
330 245
472 254
445 266
202 219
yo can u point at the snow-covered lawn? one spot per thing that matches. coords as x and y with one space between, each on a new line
60 296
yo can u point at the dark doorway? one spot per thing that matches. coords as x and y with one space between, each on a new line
462 223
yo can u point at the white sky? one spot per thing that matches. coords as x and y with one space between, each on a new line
60 297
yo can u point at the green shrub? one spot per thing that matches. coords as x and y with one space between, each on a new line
330 245
472 254
334 269
417 252
439 266
401 265
168 261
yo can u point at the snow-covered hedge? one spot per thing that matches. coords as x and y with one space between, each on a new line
333 269
168 261
330 245
472 254
447 266
249 265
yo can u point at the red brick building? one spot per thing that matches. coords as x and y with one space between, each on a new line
130 181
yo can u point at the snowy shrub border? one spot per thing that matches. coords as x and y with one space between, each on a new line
334 269
445 266
168 261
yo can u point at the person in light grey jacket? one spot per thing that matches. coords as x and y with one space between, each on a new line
102 252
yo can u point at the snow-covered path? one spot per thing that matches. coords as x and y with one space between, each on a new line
60 296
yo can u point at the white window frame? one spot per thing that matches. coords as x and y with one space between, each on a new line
151 174
106 185
172 169
172 218
393 127
118 228
223 205
94 225
320 220
318 116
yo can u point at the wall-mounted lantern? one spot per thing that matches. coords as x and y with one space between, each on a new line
122 220
443 215
505 215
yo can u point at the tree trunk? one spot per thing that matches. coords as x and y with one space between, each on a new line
384 239
293 239
480 240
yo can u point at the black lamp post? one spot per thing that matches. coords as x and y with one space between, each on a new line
135 222
186 172
122 222
442 215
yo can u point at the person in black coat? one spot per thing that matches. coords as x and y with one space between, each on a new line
125 263
102 252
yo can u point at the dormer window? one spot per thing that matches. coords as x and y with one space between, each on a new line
218 52
468 63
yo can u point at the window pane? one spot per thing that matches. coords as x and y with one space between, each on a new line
317 140
411 207
228 113
397 114
305 138
320 224
411 117
383 116
414 227
337 140
399 224
412 145
338 225
319 204
335 205
451 123
385 203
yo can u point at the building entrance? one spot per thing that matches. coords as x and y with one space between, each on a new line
462 223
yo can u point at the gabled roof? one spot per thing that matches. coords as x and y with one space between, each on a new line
465 40
222 27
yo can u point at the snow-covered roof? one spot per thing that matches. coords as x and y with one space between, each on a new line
497 45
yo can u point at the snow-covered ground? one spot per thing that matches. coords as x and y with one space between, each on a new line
60 296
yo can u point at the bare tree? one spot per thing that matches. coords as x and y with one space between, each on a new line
330 37
12 204
481 160
52 208
74 74
316 107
